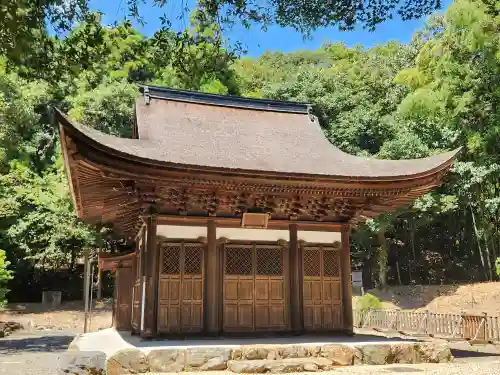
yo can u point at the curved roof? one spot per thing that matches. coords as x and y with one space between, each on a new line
238 134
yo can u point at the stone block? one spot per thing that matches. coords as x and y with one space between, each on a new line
295 351
311 367
341 355
433 352
214 364
280 365
252 353
166 360
82 363
127 361
375 354
247 367
403 353
196 358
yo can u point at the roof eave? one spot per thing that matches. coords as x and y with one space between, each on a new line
69 172
298 177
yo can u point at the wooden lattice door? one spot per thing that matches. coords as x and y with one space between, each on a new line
322 289
254 288
180 292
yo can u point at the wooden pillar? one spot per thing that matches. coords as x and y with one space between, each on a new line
345 264
152 276
213 294
86 284
296 297
142 278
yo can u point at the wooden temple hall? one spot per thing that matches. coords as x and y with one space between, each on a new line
240 211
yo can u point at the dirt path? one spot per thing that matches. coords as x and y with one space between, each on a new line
67 317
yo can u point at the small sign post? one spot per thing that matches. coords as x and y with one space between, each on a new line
357 282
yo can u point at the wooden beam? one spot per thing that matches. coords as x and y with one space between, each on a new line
212 295
223 222
152 276
296 300
345 265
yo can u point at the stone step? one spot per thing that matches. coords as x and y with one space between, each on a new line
256 358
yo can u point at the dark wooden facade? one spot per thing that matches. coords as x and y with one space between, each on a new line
240 211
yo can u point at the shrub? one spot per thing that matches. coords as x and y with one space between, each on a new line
368 301
5 276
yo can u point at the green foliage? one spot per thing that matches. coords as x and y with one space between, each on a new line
37 217
5 276
497 266
310 15
109 107
368 302
23 21
24 128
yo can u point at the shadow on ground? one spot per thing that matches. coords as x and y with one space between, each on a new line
35 344
463 353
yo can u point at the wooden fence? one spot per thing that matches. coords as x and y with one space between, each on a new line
475 328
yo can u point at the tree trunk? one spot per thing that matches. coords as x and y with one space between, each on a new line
413 268
488 258
382 255
398 272
478 240
495 256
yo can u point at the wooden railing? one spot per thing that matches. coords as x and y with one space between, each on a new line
477 328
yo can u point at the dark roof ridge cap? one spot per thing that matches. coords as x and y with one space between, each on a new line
167 93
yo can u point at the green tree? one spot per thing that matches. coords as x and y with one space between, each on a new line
313 14
5 276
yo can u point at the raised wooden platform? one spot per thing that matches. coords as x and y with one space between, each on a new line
125 353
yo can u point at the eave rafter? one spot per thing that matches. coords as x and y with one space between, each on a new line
121 200
110 190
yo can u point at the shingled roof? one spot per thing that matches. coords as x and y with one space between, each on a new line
194 130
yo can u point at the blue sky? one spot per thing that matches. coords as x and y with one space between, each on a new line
257 41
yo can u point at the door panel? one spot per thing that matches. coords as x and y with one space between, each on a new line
254 288
124 298
136 293
322 289
180 292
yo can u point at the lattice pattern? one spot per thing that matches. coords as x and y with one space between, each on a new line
238 260
269 261
311 262
192 260
171 260
331 263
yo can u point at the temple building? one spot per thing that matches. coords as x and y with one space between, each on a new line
240 211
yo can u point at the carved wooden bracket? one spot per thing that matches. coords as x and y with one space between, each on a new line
282 242
202 239
222 240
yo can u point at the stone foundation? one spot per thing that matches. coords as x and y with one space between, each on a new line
269 358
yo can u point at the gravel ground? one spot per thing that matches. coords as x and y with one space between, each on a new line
33 353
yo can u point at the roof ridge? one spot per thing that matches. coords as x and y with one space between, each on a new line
167 93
